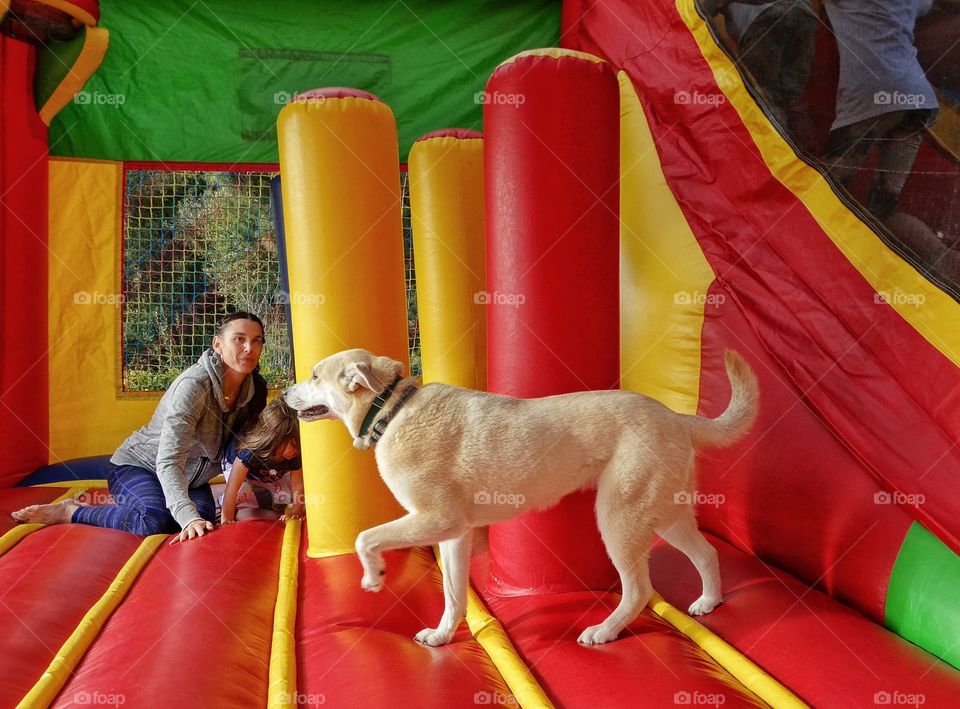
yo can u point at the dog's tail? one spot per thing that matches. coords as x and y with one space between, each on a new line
740 413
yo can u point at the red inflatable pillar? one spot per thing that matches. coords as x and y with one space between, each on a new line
23 266
551 121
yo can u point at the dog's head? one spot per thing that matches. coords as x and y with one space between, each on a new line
342 387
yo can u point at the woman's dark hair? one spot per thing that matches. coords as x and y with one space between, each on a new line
240 315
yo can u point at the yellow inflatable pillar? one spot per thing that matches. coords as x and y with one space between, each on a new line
446 206
664 275
340 175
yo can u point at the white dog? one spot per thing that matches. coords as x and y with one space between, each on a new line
443 450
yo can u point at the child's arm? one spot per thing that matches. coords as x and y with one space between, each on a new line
238 474
296 509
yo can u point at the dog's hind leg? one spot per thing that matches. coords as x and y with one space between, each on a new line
624 528
681 533
416 529
455 554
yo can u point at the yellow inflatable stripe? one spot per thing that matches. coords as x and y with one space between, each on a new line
91 57
13 536
494 640
87 484
282 679
883 269
73 650
729 658
554 52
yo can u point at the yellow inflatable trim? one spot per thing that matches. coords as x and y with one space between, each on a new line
90 58
282 678
882 268
729 658
494 640
73 650
554 52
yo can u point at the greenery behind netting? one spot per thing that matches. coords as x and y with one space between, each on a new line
199 245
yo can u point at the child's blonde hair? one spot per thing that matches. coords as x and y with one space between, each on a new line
277 424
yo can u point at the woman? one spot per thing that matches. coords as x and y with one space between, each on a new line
159 477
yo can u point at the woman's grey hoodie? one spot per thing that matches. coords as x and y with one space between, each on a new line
189 429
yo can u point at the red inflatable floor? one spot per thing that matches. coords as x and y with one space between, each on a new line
825 652
650 665
356 648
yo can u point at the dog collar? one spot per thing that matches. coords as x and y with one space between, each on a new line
381 425
376 406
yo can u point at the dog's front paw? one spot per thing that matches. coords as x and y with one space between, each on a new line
433 637
704 605
597 635
373 583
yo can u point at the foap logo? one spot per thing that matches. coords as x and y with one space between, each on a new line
282 98
485 497
713 300
83 297
897 99
100 698
711 499
499 98
98 496
301 698
97 98
896 497
899 297
497 298
698 98
282 297
495 699
900 699
700 699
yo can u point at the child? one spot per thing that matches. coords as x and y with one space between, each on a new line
265 454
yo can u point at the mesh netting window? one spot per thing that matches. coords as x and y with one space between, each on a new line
198 245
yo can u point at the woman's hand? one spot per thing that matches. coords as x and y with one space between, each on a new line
196 528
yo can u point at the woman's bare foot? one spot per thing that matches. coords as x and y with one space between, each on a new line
59 513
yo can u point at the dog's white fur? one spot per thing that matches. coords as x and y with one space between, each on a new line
449 450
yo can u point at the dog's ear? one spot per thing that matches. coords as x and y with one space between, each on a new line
360 374
387 369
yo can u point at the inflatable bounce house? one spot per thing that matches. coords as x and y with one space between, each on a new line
614 207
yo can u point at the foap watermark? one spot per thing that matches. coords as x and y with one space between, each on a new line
301 698
282 297
684 297
882 497
899 99
282 98
700 699
98 496
698 98
497 298
100 698
901 699
899 297
495 699
82 297
712 499
98 98
499 98
487 497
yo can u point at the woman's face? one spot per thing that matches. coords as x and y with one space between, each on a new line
240 346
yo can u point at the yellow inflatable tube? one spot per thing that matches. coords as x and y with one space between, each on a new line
446 207
340 174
